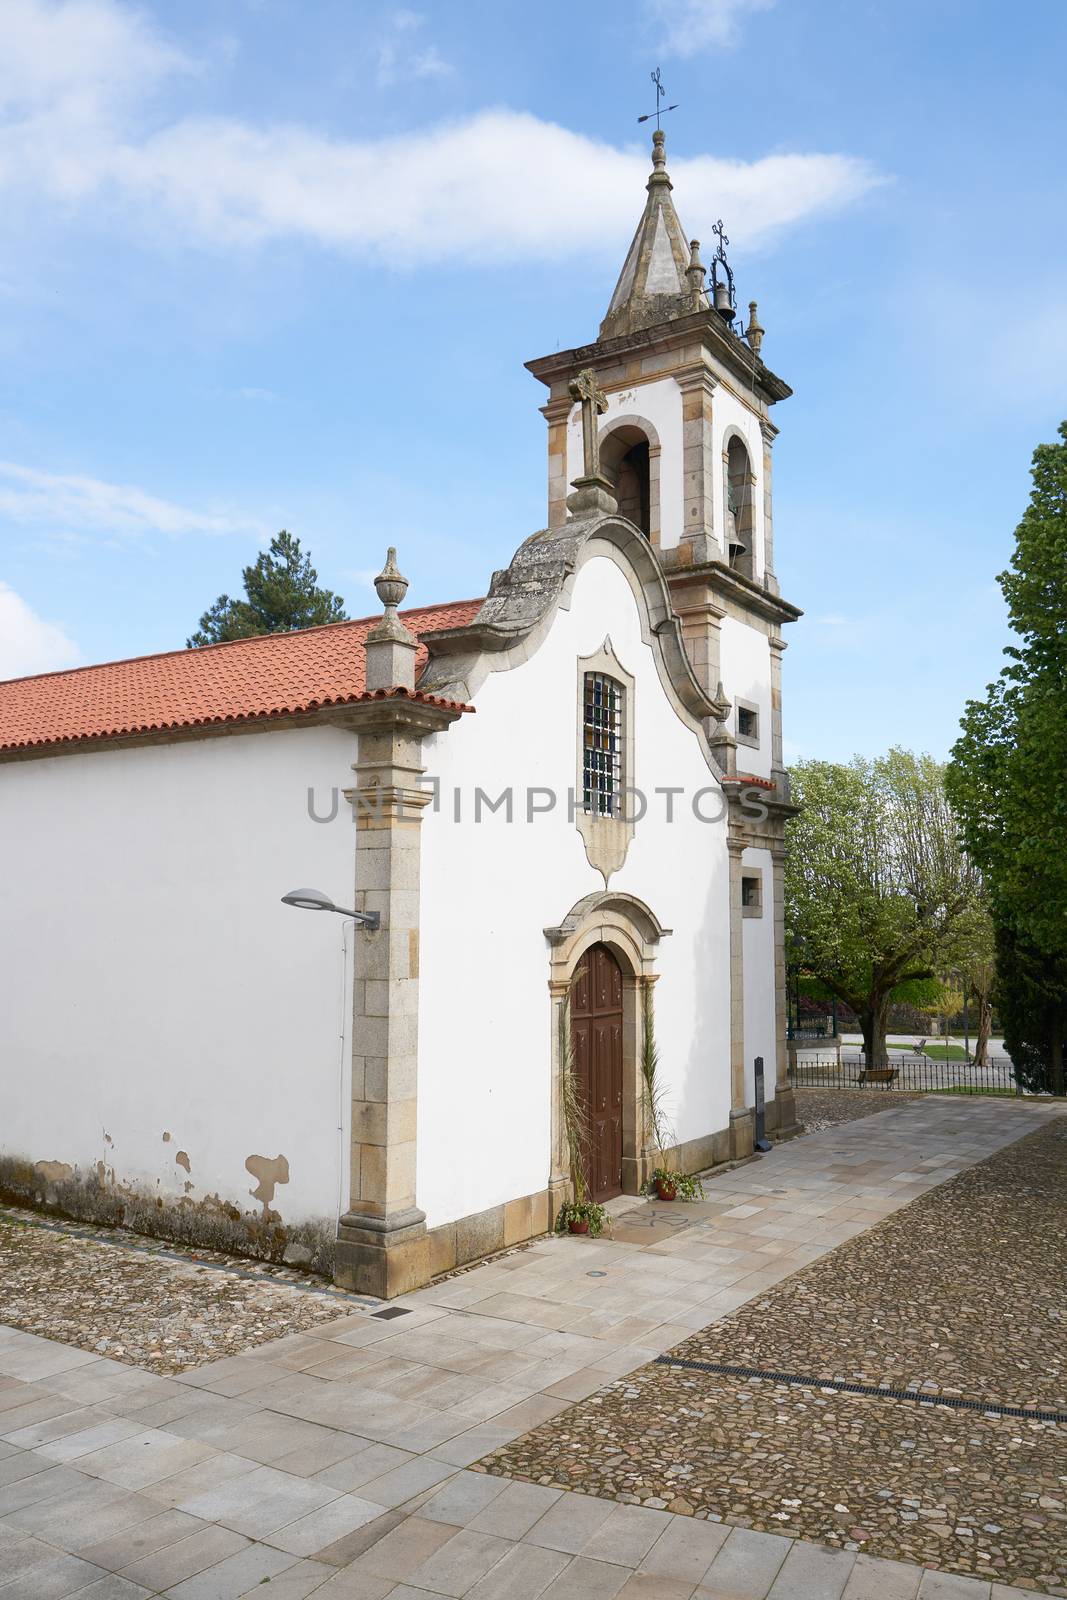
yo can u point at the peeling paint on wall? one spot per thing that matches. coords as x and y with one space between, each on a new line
166 1136
53 1171
268 1174
182 1160
94 1194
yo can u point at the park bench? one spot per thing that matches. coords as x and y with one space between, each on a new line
886 1075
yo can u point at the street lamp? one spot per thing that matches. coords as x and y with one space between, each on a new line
315 900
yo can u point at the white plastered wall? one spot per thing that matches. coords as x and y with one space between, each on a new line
745 664
153 983
489 889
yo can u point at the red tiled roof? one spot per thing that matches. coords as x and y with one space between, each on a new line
754 782
274 674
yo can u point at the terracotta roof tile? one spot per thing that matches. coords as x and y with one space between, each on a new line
275 674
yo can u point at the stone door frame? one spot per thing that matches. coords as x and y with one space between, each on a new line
632 932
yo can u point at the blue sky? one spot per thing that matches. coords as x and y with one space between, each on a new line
279 262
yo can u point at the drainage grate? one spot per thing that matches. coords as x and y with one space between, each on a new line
988 1408
390 1312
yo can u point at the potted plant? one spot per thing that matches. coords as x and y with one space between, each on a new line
667 1185
664 1183
581 1216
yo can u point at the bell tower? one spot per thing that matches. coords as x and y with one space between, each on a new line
683 449
685 442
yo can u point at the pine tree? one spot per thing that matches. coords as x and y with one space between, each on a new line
281 595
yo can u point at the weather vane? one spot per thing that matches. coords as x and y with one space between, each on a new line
661 95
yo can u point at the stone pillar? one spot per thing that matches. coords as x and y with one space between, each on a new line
382 1247
557 414
778 772
698 540
559 1177
742 1116
769 432
785 1098
637 1139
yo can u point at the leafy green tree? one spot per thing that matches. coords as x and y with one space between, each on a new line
878 890
1007 783
281 595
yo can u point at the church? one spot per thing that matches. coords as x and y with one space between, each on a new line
551 818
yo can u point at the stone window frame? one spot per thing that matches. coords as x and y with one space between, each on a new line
606 838
750 739
752 908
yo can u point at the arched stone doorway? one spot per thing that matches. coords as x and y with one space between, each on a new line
629 932
596 1014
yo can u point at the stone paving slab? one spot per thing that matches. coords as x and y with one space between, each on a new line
346 1406
963 1293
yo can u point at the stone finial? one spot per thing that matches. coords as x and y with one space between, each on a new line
696 269
390 647
390 585
659 151
754 333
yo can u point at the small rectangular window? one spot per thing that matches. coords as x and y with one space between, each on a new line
752 895
602 745
747 723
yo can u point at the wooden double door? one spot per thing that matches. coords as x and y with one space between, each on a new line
596 1025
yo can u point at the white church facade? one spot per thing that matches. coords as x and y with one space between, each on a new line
561 805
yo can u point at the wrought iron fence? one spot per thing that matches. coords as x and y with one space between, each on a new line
904 1069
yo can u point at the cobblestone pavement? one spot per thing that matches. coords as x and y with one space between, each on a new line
964 1293
337 1461
165 1313
826 1108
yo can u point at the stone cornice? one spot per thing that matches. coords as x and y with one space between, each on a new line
725 346
744 592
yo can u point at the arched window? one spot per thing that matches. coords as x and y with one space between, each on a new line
740 501
603 704
625 460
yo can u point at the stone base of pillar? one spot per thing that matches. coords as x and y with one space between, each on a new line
384 1257
742 1133
635 1171
788 1126
559 1192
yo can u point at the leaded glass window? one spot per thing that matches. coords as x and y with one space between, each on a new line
602 745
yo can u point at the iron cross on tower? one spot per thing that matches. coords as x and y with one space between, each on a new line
661 95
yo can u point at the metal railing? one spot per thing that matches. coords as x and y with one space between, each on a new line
904 1069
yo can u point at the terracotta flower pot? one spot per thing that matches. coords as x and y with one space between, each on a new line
574 1226
666 1189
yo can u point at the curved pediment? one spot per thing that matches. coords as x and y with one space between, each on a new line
524 598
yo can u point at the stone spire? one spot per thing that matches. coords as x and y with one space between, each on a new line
660 278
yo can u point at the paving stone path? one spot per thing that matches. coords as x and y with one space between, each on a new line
337 1461
962 1294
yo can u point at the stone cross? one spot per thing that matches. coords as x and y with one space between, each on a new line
586 388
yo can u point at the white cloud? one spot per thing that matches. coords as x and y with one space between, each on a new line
497 186
398 57
690 26
253 393
28 644
65 503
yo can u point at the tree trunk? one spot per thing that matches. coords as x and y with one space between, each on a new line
985 1022
874 1018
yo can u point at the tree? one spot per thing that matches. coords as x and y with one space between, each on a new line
1006 780
878 890
281 595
